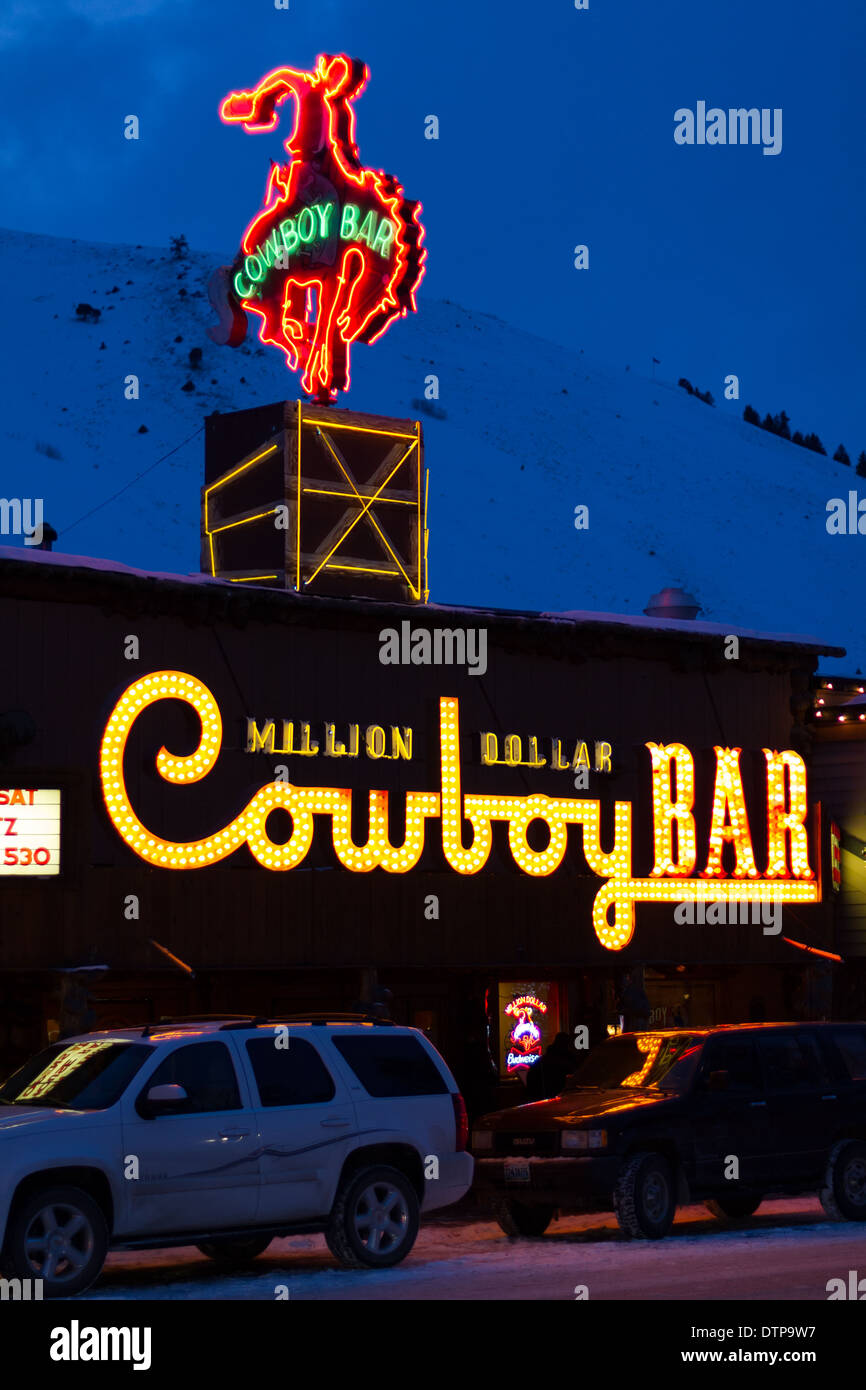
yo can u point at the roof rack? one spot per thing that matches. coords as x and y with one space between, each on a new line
230 1022
330 1016
190 1020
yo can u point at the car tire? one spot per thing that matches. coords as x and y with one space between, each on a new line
374 1220
517 1219
644 1199
234 1250
58 1235
735 1206
843 1195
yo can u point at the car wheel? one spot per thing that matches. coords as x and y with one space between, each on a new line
734 1207
843 1195
519 1220
234 1250
374 1220
644 1198
58 1235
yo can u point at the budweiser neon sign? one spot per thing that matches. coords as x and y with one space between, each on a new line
334 255
787 877
525 1036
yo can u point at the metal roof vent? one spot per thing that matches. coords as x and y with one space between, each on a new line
673 603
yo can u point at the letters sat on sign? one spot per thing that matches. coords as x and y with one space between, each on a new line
334 255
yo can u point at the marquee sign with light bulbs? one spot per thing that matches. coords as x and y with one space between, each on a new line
786 878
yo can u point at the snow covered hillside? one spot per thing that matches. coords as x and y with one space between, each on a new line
678 492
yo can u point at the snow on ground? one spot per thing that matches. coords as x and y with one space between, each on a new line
789 1250
679 492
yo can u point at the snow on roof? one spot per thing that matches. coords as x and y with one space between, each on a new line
92 562
577 617
687 625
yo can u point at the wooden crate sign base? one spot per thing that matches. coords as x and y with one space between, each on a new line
306 497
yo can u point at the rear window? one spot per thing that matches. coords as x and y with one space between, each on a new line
851 1042
392 1066
293 1075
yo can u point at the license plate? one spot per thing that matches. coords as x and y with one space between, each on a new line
517 1172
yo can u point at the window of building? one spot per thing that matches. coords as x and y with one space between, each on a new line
528 1024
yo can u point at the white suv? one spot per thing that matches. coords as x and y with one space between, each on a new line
224 1134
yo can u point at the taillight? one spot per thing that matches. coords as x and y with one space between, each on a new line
461 1121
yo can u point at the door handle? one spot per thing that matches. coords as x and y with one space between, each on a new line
755 1103
334 1124
233 1133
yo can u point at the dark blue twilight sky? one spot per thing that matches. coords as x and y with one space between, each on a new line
556 128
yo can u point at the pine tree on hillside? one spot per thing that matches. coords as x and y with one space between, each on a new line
861 464
768 423
783 425
813 442
797 438
751 416
841 456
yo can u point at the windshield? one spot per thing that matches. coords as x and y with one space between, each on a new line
76 1076
640 1059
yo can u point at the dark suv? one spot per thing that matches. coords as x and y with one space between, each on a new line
653 1120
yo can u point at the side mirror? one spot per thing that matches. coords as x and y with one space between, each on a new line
718 1081
162 1100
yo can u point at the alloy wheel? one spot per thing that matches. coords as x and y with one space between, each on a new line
58 1242
381 1218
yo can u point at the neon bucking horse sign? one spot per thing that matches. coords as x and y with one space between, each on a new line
335 254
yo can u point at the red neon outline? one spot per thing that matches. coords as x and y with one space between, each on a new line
354 301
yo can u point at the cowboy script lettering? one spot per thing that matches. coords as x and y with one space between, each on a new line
788 876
